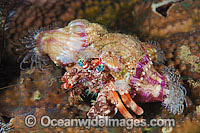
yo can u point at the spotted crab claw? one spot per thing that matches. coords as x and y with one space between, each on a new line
70 78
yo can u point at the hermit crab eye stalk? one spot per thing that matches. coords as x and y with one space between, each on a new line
175 93
100 67
83 63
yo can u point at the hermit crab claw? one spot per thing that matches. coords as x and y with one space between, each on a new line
70 78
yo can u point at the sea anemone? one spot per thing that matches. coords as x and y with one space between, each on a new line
174 93
58 44
31 54
62 45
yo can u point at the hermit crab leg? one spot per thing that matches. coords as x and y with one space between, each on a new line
126 98
120 106
115 99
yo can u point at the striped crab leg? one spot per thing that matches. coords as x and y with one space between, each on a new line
115 99
118 103
126 98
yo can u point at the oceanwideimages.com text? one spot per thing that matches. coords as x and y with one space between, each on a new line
46 121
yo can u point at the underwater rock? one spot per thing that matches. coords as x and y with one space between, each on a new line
182 52
109 13
181 17
194 90
189 124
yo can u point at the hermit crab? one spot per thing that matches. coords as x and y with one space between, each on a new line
118 67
